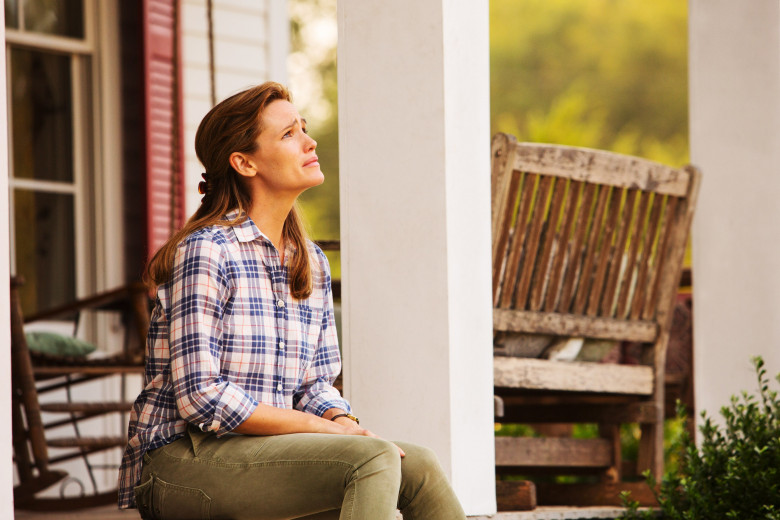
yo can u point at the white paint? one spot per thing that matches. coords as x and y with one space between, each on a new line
415 217
735 131
6 454
250 42
278 21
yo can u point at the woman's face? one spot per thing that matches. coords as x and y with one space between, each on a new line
285 160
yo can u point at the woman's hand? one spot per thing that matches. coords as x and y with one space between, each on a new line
353 428
269 420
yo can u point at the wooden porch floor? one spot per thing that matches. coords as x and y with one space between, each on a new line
540 513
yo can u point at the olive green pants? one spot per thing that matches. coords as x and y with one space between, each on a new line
304 475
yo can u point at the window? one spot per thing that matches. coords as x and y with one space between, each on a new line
50 55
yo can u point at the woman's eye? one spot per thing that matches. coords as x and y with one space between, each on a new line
288 134
305 131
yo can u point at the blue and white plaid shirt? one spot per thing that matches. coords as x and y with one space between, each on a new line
225 335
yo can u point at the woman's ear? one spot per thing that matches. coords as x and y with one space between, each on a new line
242 164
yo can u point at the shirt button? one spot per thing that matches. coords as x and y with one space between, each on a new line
279 387
279 303
281 345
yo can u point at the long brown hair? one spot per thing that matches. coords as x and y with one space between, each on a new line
233 126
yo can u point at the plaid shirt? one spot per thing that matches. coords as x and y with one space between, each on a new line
225 335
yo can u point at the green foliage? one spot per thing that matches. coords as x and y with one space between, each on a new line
735 473
313 82
609 74
632 508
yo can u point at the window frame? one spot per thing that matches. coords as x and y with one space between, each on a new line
97 148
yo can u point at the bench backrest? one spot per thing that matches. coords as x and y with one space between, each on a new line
586 242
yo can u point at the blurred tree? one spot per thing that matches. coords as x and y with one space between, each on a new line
312 66
608 74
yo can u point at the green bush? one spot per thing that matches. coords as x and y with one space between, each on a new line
735 473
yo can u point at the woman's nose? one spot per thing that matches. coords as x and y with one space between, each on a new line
311 144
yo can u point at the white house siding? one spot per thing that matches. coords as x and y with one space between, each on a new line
251 42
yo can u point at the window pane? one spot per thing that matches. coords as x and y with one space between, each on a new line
12 14
41 116
60 17
45 248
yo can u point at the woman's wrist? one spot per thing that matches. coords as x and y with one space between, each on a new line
332 412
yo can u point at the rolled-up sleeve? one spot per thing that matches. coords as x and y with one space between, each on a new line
317 394
199 294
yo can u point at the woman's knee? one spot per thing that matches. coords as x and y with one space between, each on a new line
420 458
379 455
420 467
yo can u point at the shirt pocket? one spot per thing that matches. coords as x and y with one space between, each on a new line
157 499
309 321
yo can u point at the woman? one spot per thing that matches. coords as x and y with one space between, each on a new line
238 417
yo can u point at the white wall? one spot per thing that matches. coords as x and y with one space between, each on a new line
415 229
251 43
735 140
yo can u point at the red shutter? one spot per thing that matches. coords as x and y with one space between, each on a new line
162 103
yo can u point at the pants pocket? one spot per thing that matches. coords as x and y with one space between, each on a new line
157 499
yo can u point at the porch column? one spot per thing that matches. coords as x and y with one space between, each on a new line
415 229
735 131
6 468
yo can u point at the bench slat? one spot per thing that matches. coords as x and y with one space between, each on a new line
573 325
601 167
540 374
553 452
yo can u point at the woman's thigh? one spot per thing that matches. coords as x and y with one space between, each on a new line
284 476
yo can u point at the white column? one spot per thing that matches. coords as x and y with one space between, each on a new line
415 229
735 140
6 468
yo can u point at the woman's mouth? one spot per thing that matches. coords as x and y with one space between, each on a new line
311 162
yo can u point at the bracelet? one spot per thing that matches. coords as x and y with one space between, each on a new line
347 415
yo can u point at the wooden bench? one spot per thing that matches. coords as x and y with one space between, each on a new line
586 244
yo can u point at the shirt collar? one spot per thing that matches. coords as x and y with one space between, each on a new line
246 231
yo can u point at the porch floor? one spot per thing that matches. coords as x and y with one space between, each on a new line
540 513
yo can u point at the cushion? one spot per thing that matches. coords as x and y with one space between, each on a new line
514 344
58 345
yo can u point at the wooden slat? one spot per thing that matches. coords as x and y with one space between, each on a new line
96 443
502 232
611 432
559 452
601 167
87 369
667 229
83 407
603 493
562 239
517 243
573 325
531 248
575 255
501 148
539 374
591 251
646 254
515 495
640 411
623 303
624 225
607 253
542 271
